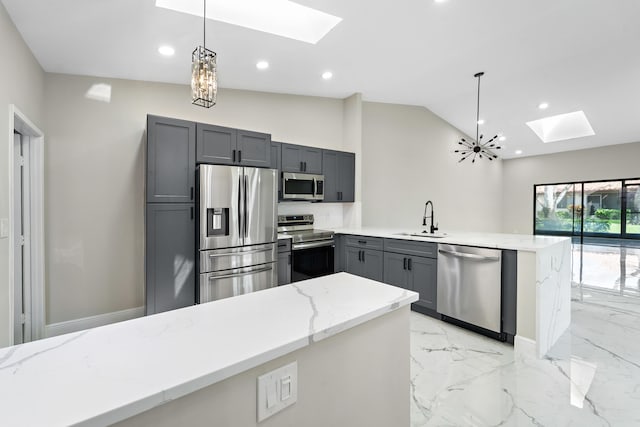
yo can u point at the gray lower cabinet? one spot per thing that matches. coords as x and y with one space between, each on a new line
284 262
339 171
364 262
412 265
298 158
227 146
171 166
170 256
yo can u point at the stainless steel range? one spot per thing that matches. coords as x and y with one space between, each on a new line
312 249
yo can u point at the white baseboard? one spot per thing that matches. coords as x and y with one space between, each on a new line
524 346
75 325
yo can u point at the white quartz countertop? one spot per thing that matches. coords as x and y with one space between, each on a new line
107 374
519 242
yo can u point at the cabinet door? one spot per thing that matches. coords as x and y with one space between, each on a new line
216 145
312 159
424 276
395 272
276 163
171 165
291 158
352 260
373 265
330 172
254 149
284 268
170 256
346 176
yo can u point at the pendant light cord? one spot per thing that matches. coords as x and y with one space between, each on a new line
478 111
204 25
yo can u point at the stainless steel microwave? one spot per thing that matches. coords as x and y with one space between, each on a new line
302 186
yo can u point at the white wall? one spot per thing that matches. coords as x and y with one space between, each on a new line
520 175
408 159
22 84
94 177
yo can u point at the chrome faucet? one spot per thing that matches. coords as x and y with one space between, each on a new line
424 218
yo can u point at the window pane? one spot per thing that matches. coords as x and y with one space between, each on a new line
602 204
633 208
556 210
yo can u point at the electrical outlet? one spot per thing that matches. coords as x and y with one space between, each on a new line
277 390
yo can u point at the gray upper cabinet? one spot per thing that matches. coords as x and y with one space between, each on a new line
216 144
276 163
171 154
339 171
170 256
298 158
254 149
226 146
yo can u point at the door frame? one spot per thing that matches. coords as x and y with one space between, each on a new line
34 137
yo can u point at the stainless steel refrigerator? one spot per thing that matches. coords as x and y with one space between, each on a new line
237 242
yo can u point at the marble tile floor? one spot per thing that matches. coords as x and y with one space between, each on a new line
591 377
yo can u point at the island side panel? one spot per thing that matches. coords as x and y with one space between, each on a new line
553 294
525 339
357 377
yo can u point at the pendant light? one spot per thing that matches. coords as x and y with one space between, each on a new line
204 76
477 148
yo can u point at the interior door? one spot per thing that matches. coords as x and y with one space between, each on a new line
18 285
260 205
221 201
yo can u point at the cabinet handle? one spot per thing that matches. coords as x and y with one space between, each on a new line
409 264
362 242
359 255
191 193
289 259
301 166
239 156
192 213
363 257
404 263
305 166
234 156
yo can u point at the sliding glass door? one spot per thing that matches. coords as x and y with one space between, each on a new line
599 209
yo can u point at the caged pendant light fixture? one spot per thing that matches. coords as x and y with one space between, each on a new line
477 148
204 73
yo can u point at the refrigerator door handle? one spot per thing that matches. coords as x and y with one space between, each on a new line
255 251
240 213
246 232
226 276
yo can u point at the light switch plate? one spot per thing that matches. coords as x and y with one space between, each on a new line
277 390
4 228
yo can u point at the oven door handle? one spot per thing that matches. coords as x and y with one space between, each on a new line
319 244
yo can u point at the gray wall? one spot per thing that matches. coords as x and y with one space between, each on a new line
22 84
520 175
94 177
349 379
408 159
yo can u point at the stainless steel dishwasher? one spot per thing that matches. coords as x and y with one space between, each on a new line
469 285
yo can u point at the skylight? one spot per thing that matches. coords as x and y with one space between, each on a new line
280 17
562 127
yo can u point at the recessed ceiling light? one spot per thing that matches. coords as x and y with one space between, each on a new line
280 17
327 75
562 127
502 138
440 1
543 106
262 65
166 50
481 121
518 151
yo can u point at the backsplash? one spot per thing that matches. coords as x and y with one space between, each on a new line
326 215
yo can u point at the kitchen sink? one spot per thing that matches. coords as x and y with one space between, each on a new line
426 235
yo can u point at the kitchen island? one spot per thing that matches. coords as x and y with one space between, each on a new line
198 365
543 279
